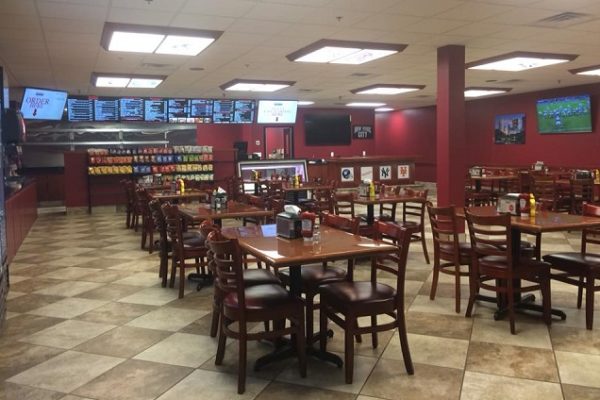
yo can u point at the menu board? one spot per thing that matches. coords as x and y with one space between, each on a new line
222 111
80 109
131 109
179 110
243 112
106 109
155 110
201 110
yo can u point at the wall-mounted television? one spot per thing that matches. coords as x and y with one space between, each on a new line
43 104
327 129
564 114
277 111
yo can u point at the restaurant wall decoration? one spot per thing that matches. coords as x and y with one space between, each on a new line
347 174
509 129
403 171
362 132
385 173
366 173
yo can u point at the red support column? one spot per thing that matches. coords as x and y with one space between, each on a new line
450 135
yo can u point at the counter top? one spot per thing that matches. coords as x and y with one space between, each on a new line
370 159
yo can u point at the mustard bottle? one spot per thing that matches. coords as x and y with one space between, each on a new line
371 189
532 205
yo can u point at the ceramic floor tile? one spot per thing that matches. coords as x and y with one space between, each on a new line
110 292
69 273
124 341
24 325
565 338
66 372
572 392
116 313
71 261
478 386
21 356
17 278
134 380
145 279
12 391
441 305
389 378
571 371
182 349
213 386
31 285
13 294
167 319
454 327
73 397
426 350
277 391
68 334
528 335
157 296
68 308
69 288
105 276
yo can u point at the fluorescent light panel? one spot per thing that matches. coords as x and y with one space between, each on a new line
113 82
387 89
384 109
593 70
305 103
344 52
365 104
483 91
520 61
126 80
183 45
135 42
251 85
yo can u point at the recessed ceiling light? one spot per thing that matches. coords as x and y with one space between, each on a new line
344 52
520 61
305 103
156 39
253 85
365 104
484 91
126 80
384 109
594 70
387 89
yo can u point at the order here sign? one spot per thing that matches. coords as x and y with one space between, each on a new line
43 104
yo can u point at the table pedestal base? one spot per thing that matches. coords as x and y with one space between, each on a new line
524 303
202 279
285 350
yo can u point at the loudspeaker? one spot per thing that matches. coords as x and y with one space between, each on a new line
242 150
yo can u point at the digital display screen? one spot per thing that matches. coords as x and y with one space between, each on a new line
276 112
106 109
243 112
80 109
131 109
201 110
222 111
43 104
155 110
179 110
564 114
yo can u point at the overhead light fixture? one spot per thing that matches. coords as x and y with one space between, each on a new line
344 52
365 104
384 109
126 80
253 85
387 89
156 39
484 91
594 70
520 61
305 103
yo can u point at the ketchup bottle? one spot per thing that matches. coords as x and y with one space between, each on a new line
308 224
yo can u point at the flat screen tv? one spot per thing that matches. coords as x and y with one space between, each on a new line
43 104
327 129
564 114
277 111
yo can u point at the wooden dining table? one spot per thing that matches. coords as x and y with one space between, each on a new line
493 179
196 213
371 201
263 243
168 195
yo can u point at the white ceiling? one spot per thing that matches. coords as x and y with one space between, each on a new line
56 44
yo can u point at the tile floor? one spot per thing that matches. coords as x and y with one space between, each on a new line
87 319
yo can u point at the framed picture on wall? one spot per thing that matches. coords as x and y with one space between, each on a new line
362 132
509 129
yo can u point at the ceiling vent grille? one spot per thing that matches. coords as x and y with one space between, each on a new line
155 65
361 74
564 19
309 90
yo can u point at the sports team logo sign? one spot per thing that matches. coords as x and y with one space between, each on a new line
385 173
347 174
403 171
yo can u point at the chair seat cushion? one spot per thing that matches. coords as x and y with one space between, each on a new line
315 275
261 297
464 249
525 267
259 276
193 239
573 261
357 295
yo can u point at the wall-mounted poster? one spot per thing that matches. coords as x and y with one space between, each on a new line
362 132
509 129
366 173
347 174
385 173
403 171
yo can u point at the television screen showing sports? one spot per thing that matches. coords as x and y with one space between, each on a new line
564 114
276 112
43 104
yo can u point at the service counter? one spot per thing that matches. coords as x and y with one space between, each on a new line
21 213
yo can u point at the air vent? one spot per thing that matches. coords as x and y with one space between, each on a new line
564 19
422 96
155 65
512 81
361 74
309 90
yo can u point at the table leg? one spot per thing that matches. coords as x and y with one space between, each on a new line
370 214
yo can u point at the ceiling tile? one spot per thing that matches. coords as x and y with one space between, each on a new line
199 21
141 17
54 9
422 8
18 7
72 25
222 8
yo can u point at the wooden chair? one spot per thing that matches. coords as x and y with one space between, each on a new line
128 187
344 302
581 269
148 227
246 305
342 204
582 191
314 276
544 190
321 202
387 211
449 254
137 212
492 260
182 250
416 228
256 201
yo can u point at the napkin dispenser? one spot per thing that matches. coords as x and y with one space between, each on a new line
288 222
583 174
509 203
218 201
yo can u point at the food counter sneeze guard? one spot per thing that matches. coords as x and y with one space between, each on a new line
273 167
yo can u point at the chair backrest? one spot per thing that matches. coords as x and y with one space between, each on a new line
341 223
174 227
583 189
323 200
444 228
228 264
159 219
206 228
395 263
543 188
490 235
275 189
276 205
590 235
143 198
343 204
256 201
415 208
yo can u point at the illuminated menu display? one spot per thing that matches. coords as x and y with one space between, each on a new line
222 111
155 110
179 110
80 109
201 110
106 109
243 112
131 109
